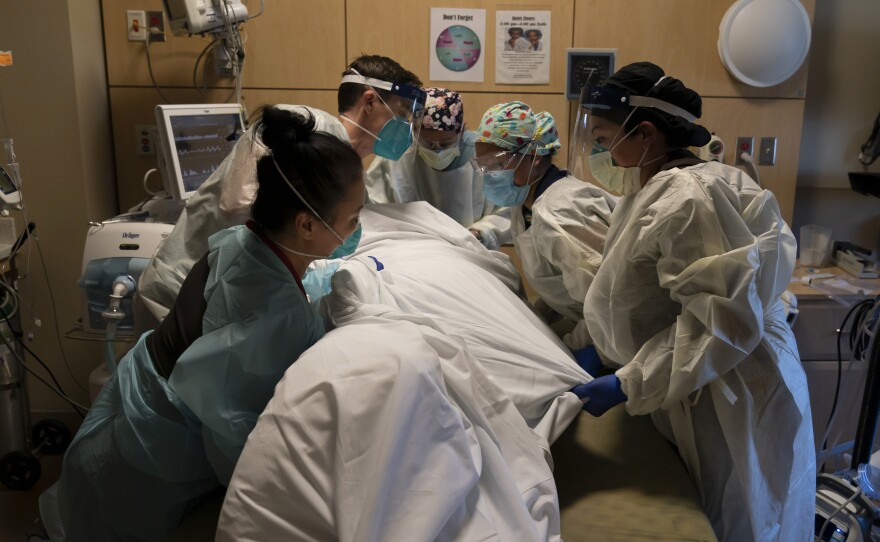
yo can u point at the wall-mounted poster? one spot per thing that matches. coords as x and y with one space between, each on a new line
457 41
522 47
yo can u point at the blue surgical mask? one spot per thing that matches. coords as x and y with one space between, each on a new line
394 139
499 188
348 246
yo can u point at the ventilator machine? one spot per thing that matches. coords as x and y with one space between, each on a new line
194 140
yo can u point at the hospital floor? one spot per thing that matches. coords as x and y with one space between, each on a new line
19 509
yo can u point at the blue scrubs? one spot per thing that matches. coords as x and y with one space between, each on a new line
150 448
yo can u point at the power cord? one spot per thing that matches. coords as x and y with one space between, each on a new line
150 67
843 505
750 160
858 341
78 408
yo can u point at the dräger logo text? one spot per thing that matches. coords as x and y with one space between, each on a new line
127 235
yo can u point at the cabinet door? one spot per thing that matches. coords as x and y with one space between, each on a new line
822 381
816 330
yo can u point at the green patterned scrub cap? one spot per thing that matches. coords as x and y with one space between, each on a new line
513 125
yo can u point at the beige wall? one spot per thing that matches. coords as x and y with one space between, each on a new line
843 98
299 47
57 97
681 36
55 100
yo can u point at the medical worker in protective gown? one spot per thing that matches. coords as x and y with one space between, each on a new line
380 104
437 169
558 222
171 422
686 308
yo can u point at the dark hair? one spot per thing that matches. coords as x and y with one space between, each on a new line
320 166
377 67
536 31
640 79
511 29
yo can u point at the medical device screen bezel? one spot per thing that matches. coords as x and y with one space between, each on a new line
8 193
169 163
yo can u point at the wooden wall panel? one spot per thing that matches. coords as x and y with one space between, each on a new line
681 36
731 117
133 106
408 34
294 44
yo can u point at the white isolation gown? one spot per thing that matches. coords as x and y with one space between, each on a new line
687 304
457 191
223 200
425 415
562 249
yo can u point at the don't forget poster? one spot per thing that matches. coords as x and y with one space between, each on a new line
457 42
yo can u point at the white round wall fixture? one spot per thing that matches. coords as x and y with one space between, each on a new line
764 42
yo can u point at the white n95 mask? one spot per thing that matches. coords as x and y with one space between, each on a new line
439 160
618 179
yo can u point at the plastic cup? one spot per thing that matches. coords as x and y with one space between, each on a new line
815 246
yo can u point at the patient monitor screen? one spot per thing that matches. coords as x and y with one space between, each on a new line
202 142
6 184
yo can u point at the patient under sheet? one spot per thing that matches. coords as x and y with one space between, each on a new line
426 414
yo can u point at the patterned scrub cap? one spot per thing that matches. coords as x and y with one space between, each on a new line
513 124
546 135
443 110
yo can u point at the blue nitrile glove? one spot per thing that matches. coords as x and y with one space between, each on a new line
588 359
317 280
603 393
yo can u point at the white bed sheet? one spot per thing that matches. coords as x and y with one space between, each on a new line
426 415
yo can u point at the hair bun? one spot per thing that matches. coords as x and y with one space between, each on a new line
282 128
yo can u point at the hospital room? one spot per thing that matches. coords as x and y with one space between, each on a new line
428 270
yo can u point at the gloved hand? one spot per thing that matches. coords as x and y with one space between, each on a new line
588 359
317 280
603 393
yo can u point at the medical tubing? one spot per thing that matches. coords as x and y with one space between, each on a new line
109 354
870 404
17 337
122 286
843 505
76 406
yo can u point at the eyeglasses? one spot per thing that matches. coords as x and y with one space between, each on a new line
499 160
440 145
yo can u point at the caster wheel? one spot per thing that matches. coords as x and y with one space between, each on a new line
50 436
19 470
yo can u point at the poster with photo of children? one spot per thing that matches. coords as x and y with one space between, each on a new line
522 47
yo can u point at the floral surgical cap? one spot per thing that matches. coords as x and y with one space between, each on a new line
512 125
443 110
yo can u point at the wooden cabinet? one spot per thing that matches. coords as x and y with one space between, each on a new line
816 333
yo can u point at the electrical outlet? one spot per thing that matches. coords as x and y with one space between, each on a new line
156 20
145 139
137 28
744 144
767 154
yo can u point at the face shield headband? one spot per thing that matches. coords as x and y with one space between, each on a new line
608 99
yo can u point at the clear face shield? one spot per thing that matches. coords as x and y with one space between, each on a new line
591 133
599 127
406 104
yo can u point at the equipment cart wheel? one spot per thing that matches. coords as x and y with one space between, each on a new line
50 436
19 470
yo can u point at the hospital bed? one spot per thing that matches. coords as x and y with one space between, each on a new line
446 393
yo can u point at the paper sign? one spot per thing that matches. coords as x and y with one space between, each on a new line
5 58
457 43
522 41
